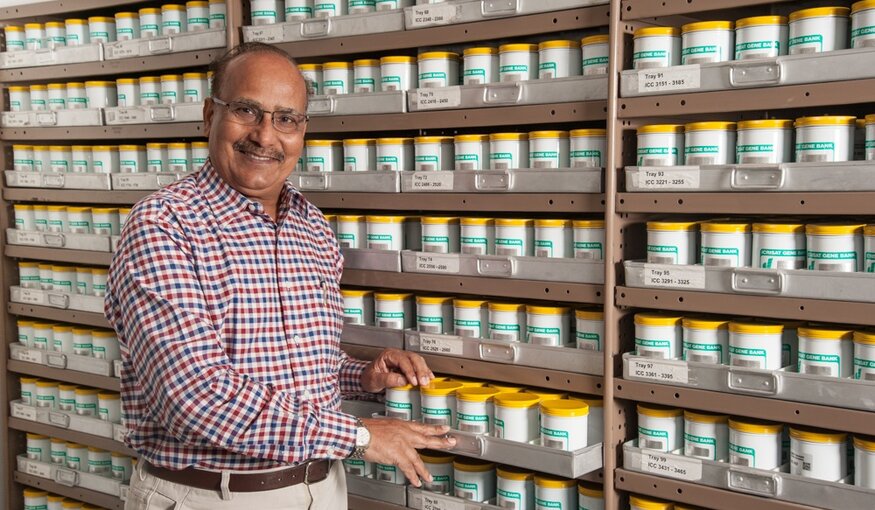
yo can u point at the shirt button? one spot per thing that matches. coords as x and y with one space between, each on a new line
307 395
331 451
297 339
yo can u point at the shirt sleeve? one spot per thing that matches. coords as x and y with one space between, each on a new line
191 388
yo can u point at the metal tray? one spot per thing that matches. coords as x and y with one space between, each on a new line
75 362
155 114
519 180
52 56
53 118
374 260
69 477
796 283
365 487
843 176
365 103
86 424
759 482
144 181
350 182
186 41
65 240
501 266
55 299
320 28
362 408
783 384
839 65
372 336
567 359
556 90
466 11
22 411
117 368
113 242
65 180
427 500
119 432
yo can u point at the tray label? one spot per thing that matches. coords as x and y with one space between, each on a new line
266 34
667 178
445 97
670 78
30 238
430 263
672 466
674 276
31 296
433 181
24 412
441 345
434 502
28 180
432 14
29 355
658 371
39 469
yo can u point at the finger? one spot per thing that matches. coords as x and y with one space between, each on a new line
429 430
406 467
405 366
438 442
423 373
393 380
420 468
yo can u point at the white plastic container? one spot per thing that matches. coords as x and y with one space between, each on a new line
475 409
24 218
28 390
42 158
709 143
394 311
171 88
324 156
433 153
101 94
660 145
101 29
39 98
150 22
127 25
388 5
337 78
658 335
122 467
590 329
517 416
440 467
19 98
82 159
834 247
764 141
725 244
366 75
29 278
761 37
173 19
47 396
480 65
194 88
474 480
265 12
197 16
439 402
60 158
755 345
395 154
826 352
86 401
554 492
549 149
56 34
82 341
328 8
297 10
57 218
351 231
862 24
179 157
78 220
76 32
553 238
77 456
707 42
104 344
359 154
43 335
671 242
98 275
358 307
471 152
38 448
778 245
477 236
57 96
507 321
312 74
109 407
104 159
438 69
99 461
515 488
515 237
34 35
588 239
218 13
825 139
440 234
705 340
508 150
157 159
132 158
470 318
548 325
558 59
387 232
359 467
818 454
40 217
818 29
150 90
637 502
595 54
588 148
654 47
564 424
864 462
434 314
660 428
123 214
45 282
127 92
15 38
58 449
403 403
22 158
595 423
200 152
706 435
517 62
398 73
591 496
864 355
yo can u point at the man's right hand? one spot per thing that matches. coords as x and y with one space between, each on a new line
395 442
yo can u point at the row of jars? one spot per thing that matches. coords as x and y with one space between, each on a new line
579 148
86 281
169 19
268 12
781 244
70 219
191 87
821 139
40 499
69 339
812 453
475 318
807 31
61 396
815 349
178 157
88 459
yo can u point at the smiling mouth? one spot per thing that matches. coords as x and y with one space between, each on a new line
257 154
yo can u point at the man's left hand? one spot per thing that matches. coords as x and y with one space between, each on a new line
394 367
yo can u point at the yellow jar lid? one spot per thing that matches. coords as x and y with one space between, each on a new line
66 387
175 145
701 417
310 67
440 388
18 88
31 435
592 224
477 394
480 50
591 490
826 334
194 76
547 134
473 222
506 307
518 400
365 62
385 219
657 319
103 148
469 303
56 208
54 24
439 220
765 124
546 394
514 473
760 20
22 322
559 43
724 227
96 449
126 15
651 31
197 3
468 383
709 126
864 337
350 217
38 87
200 145
564 408
28 380
108 395
47 384
62 329
755 328
126 81
591 400
13 28
707 25
506 388
406 387
172 7
595 39
394 141
57 86
31 264
77 209
817 436
337 65
89 84
149 79
658 411
71 444
661 128
649 503
553 223
82 331
588 132
324 143
131 147
826 120
359 141
513 222
156 145
553 482
54 498
504 48
473 465
590 314
778 228
355 293
865 443
548 310
75 21
33 26
99 270
433 139
833 229
22 207
862 6
433 300
755 426
391 296
100 19
75 84
34 493
671 226
433 457
438 55
471 138
819 12
22 147
704 323
87 391
170 77
495 137
398 59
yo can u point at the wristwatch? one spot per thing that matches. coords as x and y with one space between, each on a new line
362 440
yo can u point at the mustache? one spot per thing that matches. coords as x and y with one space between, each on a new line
247 146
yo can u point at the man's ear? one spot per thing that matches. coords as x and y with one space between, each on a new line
208 115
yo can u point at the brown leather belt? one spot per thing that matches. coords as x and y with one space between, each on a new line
311 472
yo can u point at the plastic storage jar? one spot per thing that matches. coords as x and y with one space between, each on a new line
197 16
658 335
109 406
403 403
56 34
395 154
516 416
826 352
57 93
725 244
34 35
864 355
764 141
440 234
477 236
471 152
475 409
265 12
47 395
864 462
351 231
79 220
474 480
706 42
173 19
312 74
595 421
590 329
19 98
358 307
67 397
359 154
157 159
28 390
705 340
22 158
558 59
127 26
553 238
862 24
99 461
433 153
755 345
194 87
366 75
660 145
328 8
778 245
150 90
171 88
548 325
645 503
588 148
39 98
101 94
831 247
104 345
470 318
594 54
761 37
122 467
64 279
514 237
386 232
706 435
101 29
39 448
82 159
817 30
99 276
434 314
438 69
297 10
655 47
517 62
660 428
590 496
709 143
42 158
179 157
150 22
127 92
869 145
439 402
440 467
508 150
132 158
324 156
76 97
77 459
337 78
29 278
42 332
58 447
564 424
480 65
60 158
818 454
548 149
671 242
218 13
15 38
398 73
589 239
515 488
359 467
825 139
394 311
507 321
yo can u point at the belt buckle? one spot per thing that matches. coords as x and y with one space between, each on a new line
307 473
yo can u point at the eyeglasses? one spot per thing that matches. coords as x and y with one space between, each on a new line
284 121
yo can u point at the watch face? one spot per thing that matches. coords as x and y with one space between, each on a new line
362 437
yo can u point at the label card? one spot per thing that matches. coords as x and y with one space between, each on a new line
670 78
266 34
431 263
668 178
672 466
437 344
32 296
39 469
29 355
432 14
122 51
24 412
33 238
15 119
674 276
28 179
445 97
434 502
433 181
659 371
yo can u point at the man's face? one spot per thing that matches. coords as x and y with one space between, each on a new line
256 160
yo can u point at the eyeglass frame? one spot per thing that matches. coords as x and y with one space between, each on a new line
260 117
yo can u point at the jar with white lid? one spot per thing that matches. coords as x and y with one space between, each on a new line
47 396
507 321
725 244
755 345
508 150
394 311
122 467
862 24
19 98
56 34
265 12
39 98
101 94
477 236
28 274
660 427
434 314
515 488
432 153
179 157
517 62
34 35
470 318
329 8
99 275
398 73
78 220
38 448
104 345
553 238
28 390
549 149
104 159
588 239
818 454
403 403
564 424
218 13
778 245
472 152
555 492
127 26
660 145
709 143
656 47
386 232
351 231
475 409
764 141
590 329
366 75
60 158
440 234
58 449
590 496
200 153
440 466
588 148
479 65
324 156
705 340
197 16
57 96
358 307
658 335
77 457
818 29
707 42
312 74
22 158
671 242
595 54
150 90
438 69
834 247
761 37
15 38
474 480
706 435
194 88
42 158
57 218
826 352
825 139
101 29
516 416
132 158
395 154
157 159
515 237
548 325
173 19
171 88
439 402
99 461
558 59
127 92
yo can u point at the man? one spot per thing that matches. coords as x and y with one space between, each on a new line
224 294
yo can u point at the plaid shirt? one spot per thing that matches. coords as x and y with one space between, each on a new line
229 325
